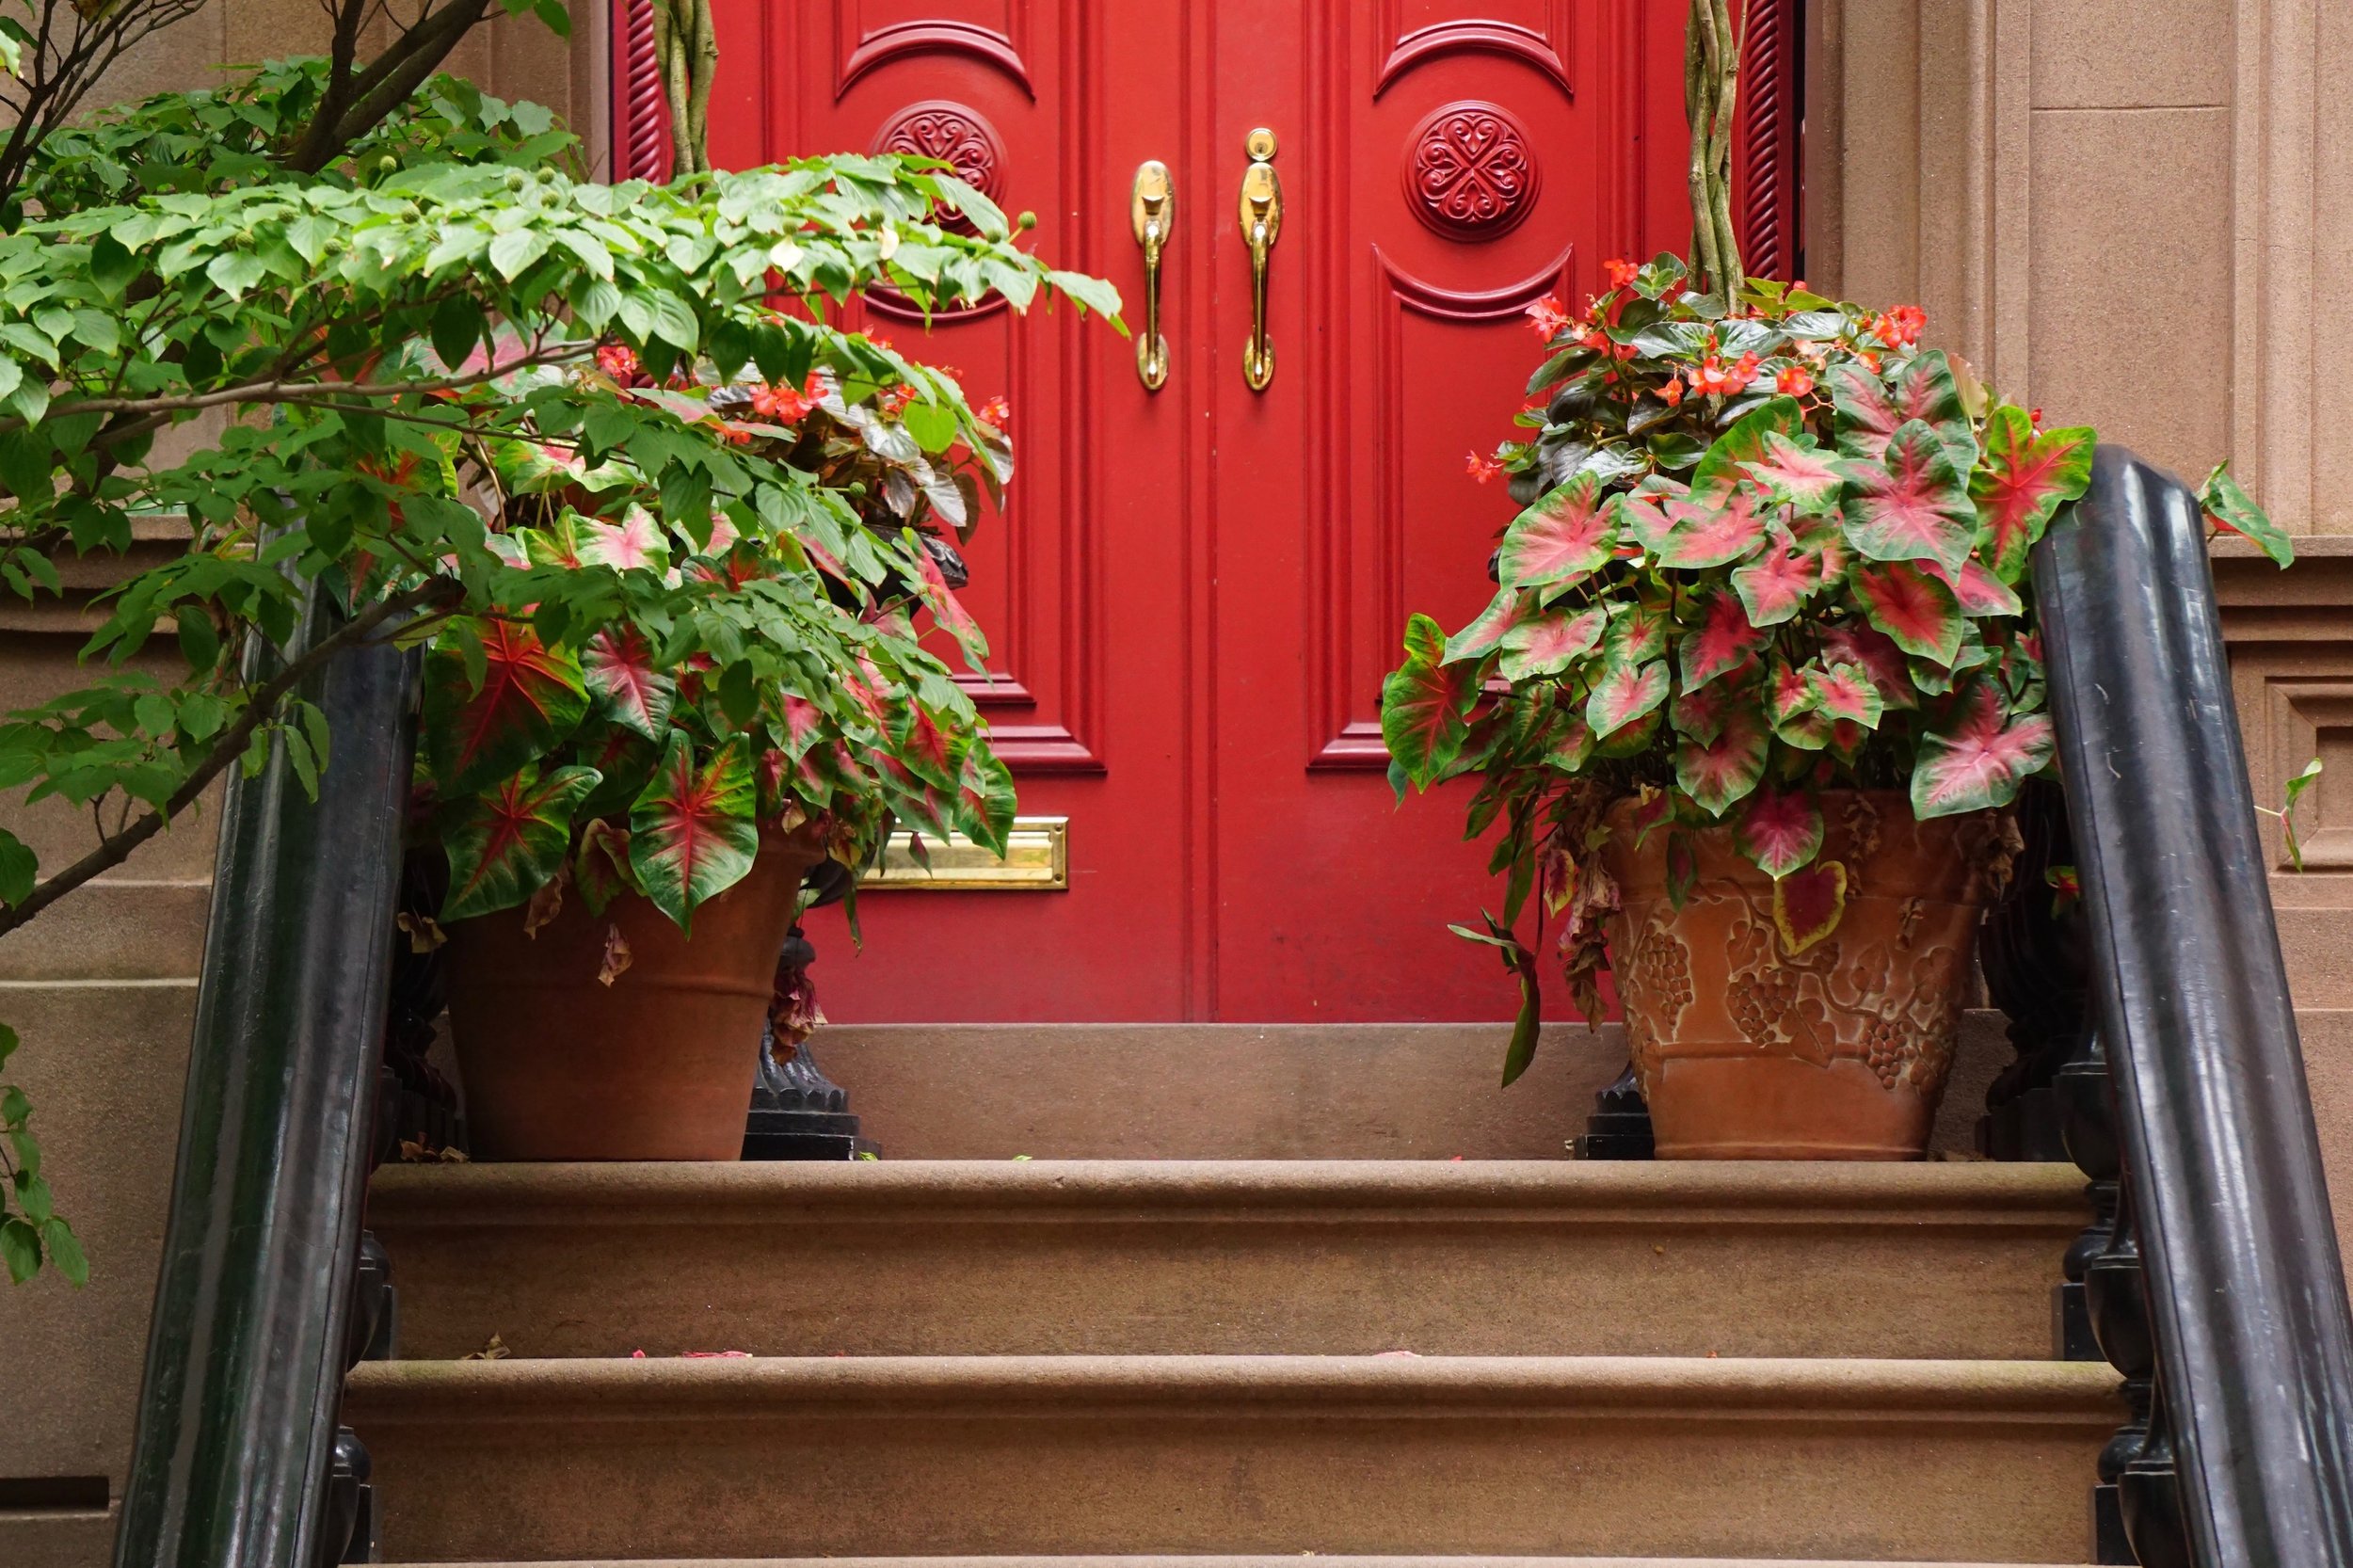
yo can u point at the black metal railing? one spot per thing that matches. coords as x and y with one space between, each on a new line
265 1295
2218 1291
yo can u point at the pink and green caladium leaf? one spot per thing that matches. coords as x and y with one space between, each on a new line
1424 704
1700 714
600 865
2024 479
1918 612
1710 534
1550 643
2229 506
510 841
1922 388
1844 691
923 747
1637 633
1745 443
618 665
1800 474
1912 507
1624 694
1878 655
1866 413
691 834
1776 584
1980 757
1571 743
1482 637
985 799
635 541
1781 832
1561 540
1723 640
484 725
1721 773
1976 590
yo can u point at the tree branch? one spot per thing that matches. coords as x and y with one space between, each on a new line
226 749
387 82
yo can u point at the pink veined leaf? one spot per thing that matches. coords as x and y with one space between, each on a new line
1773 587
1868 418
1561 540
1482 637
635 541
1912 509
692 834
1548 645
1980 757
618 665
1623 694
1424 704
949 611
984 798
1780 831
1722 641
1788 693
1822 543
1922 388
802 718
1637 635
1746 443
1878 655
1807 905
1976 590
867 685
1800 475
1706 536
510 841
1645 513
556 545
1917 612
1570 746
1845 691
2024 480
532 696
1701 714
924 750
1719 775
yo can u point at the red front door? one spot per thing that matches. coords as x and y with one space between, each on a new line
1196 590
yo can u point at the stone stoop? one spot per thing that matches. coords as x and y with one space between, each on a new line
1193 1562
1000 1362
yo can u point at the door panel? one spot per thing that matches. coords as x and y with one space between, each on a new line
1194 591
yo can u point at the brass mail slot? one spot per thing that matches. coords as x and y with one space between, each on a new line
1038 860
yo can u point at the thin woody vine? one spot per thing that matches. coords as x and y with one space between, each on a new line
1771 545
346 326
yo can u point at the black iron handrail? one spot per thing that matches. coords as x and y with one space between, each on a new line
2247 1461
253 1329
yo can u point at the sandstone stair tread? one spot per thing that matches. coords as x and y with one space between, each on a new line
1941 1260
1291 1561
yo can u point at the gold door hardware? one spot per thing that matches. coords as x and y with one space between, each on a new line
1261 220
1151 211
1037 859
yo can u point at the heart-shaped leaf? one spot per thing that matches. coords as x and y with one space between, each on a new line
2232 507
1548 645
1748 441
1560 541
1723 641
1423 704
692 835
1800 474
1976 590
1845 692
1980 757
1721 773
1780 831
1807 905
1878 655
1866 416
1777 583
1912 507
1922 388
1704 535
531 698
1917 612
616 664
2022 481
509 841
1623 694
1484 635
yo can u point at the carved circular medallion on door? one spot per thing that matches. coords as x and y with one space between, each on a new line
956 136
1469 173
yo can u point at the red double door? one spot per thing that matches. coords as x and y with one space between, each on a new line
1195 590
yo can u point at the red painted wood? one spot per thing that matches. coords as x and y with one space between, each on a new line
1195 593
641 132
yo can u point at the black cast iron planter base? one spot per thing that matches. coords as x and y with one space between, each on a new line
1619 1128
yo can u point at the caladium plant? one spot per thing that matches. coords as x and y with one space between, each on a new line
1770 546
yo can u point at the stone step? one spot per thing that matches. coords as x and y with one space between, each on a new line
1258 1091
1291 1562
1542 1257
1843 1460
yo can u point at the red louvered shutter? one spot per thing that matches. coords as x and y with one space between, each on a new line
1768 175
641 128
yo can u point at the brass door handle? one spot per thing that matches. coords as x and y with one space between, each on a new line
1261 221
1151 211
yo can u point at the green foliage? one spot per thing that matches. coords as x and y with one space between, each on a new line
1767 550
600 449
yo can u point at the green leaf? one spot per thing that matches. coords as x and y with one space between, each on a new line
65 1251
19 867
510 841
530 698
692 836
20 1248
513 251
1423 704
2232 507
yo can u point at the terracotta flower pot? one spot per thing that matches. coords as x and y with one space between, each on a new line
659 1065
1752 1045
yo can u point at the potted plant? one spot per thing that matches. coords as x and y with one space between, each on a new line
703 682
1758 681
